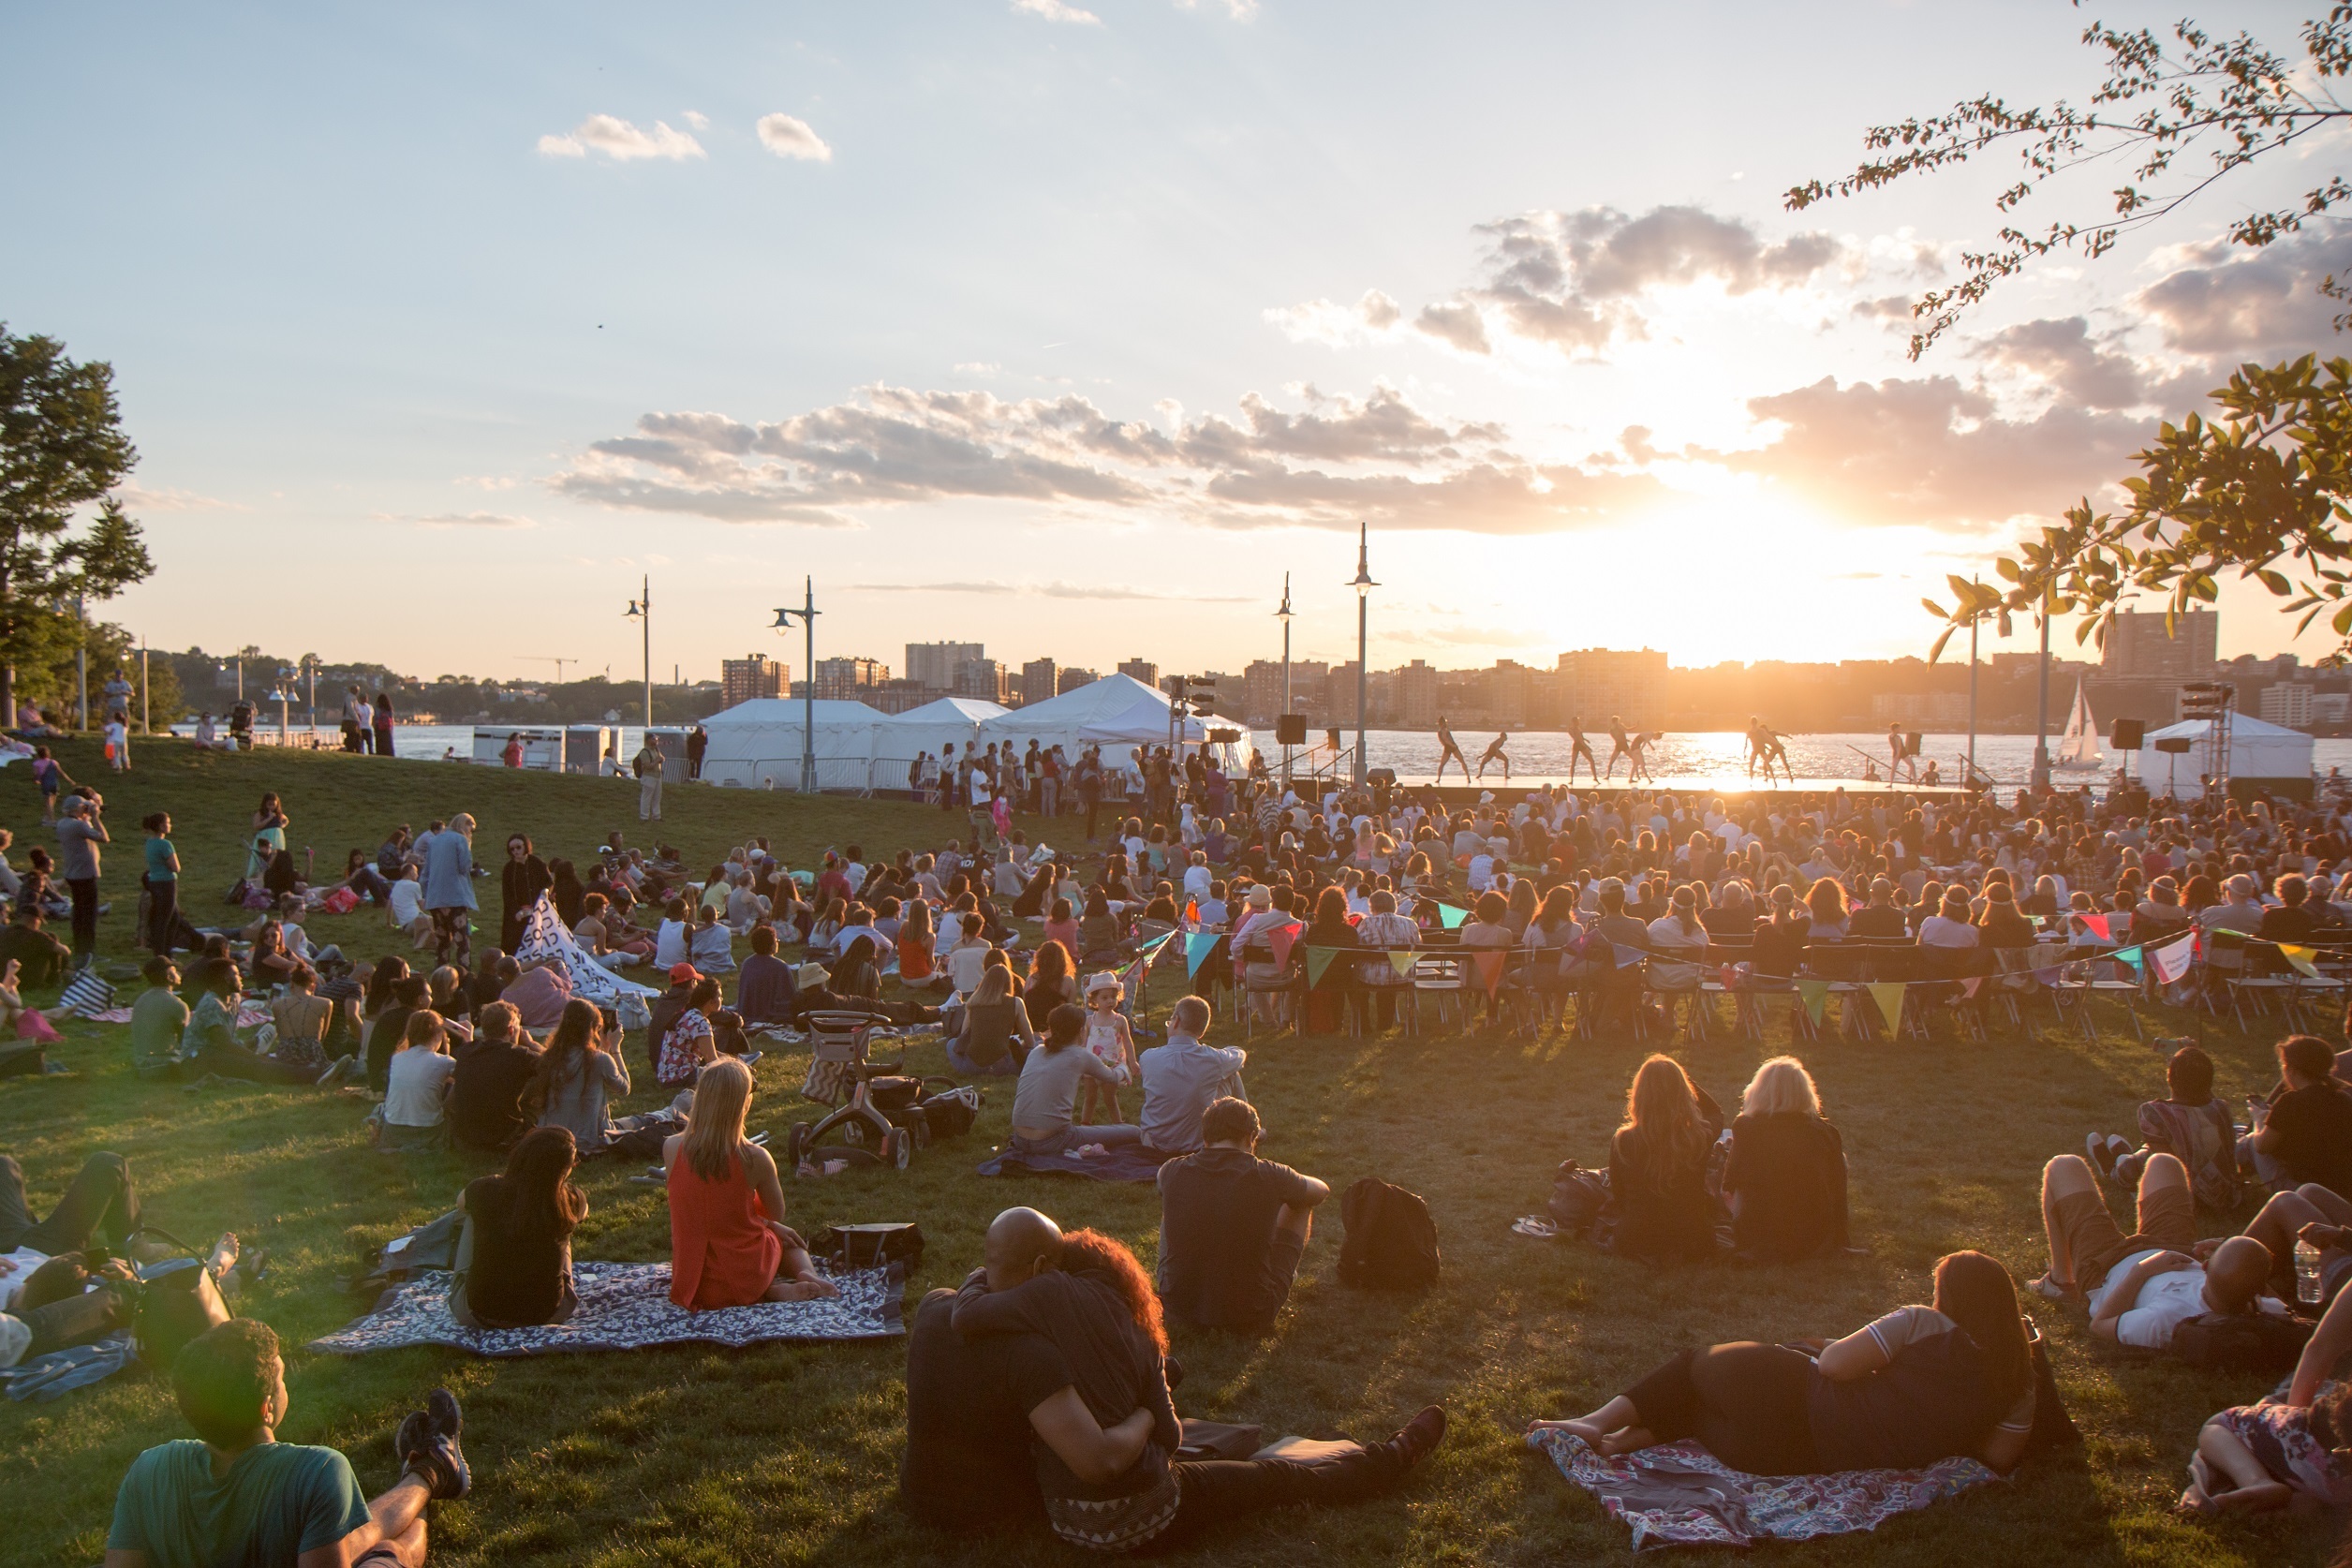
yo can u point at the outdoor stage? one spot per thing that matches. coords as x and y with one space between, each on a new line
1456 794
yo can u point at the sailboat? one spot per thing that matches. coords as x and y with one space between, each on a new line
2079 747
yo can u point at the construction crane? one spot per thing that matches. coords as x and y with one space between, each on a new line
550 658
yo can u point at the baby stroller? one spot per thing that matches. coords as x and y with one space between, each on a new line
888 1118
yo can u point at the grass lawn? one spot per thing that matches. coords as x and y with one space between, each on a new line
790 1454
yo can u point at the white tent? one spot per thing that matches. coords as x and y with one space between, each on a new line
1115 713
934 727
757 743
2256 750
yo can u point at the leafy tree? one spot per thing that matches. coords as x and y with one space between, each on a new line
2231 96
62 447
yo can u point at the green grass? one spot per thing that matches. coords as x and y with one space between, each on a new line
785 1453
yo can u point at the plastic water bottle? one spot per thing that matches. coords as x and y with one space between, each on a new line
2307 1285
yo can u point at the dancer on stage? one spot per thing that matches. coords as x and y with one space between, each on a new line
1583 748
1637 745
1449 749
1902 753
1759 747
1496 754
1619 744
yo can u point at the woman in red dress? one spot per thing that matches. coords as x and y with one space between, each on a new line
728 1245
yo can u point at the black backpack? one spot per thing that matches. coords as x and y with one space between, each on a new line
1391 1242
2242 1341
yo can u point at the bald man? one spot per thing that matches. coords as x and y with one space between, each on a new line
2141 1287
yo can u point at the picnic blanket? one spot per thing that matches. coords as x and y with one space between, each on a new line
545 940
1679 1494
625 1306
1124 1163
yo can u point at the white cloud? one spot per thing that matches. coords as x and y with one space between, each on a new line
1374 315
138 497
474 520
1240 10
699 119
788 137
1057 11
621 142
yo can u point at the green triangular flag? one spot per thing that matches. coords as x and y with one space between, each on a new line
1318 960
2131 955
1404 960
1815 994
1888 995
1450 917
1198 945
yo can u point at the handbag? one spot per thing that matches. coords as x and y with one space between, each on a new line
1579 1198
873 1245
178 1300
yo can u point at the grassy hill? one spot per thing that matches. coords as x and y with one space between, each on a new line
787 1454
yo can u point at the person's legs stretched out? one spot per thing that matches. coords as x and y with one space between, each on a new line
99 1201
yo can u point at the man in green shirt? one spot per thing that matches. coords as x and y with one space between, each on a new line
158 1019
242 1496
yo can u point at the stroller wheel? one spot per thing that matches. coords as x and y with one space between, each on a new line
920 1128
795 1145
897 1148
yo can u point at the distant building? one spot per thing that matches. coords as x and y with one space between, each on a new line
982 678
1037 680
1262 690
1507 692
848 679
1597 683
2139 645
2287 702
1919 710
897 696
1143 669
1069 679
2330 707
934 663
740 680
1417 693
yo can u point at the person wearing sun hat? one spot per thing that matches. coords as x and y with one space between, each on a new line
1113 1044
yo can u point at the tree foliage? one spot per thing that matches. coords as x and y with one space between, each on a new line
2231 99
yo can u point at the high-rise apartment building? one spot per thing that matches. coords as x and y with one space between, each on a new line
1143 669
982 678
848 679
1417 694
740 680
2140 646
1071 679
1037 680
1596 684
934 663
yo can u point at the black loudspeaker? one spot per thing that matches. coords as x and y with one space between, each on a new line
2126 735
2174 746
1225 737
1291 729
1385 776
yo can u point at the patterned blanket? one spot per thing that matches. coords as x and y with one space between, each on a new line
1125 1162
1679 1494
624 1307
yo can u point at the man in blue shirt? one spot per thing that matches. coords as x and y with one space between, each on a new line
240 1496
1181 1078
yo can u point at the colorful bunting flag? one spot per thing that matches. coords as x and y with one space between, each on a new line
1450 917
2098 926
1626 955
2173 958
1887 994
1198 945
1970 986
1191 911
1489 962
1280 938
2132 956
1815 994
2298 955
1318 961
1404 960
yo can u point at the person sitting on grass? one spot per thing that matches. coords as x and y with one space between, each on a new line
2189 1124
711 947
728 1245
764 988
158 1021
1658 1167
996 1016
1183 1077
1785 1180
1043 1100
41 958
417 1087
689 1043
1106 1441
513 1263
2140 1287
1920 1384
301 1016
239 1495
1232 1226
2304 1133
494 1070
578 1076
209 1047
2284 1451
539 993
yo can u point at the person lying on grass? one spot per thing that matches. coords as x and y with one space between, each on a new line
2141 1287
239 1495
2284 1453
1920 1384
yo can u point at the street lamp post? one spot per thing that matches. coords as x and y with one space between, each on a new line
1283 614
281 697
1971 777
1363 584
2041 709
640 611
807 614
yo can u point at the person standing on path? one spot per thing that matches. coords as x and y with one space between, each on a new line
78 834
448 858
648 766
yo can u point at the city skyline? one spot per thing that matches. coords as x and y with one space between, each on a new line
1072 336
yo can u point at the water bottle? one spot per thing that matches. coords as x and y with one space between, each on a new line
2307 1285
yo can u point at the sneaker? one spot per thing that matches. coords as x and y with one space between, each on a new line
2101 1157
1419 1436
2049 1288
333 1075
428 1444
750 1059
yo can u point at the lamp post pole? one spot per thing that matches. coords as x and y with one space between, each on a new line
2041 708
1363 584
640 611
1971 778
1283 614
807 614
146 726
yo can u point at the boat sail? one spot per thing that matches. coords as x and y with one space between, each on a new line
2079 747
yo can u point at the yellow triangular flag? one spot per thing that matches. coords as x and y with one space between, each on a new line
1888 995
2301 957
1403 960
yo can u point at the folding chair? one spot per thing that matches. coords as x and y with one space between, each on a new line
1678 979
1842 967
1440 975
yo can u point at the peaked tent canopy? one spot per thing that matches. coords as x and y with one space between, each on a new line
2257 749
757 743
1114 712
934 727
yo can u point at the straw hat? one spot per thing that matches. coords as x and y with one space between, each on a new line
809 976
1261 897
1104 980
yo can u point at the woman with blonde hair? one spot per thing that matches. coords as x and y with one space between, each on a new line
1785 1180
728 1245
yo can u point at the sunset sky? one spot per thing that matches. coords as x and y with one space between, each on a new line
1069 327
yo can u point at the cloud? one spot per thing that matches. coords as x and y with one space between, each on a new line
621 142
1056 10
2062 353
474 520
138 497
1046 590
2237 304
1326 463
1931 452
1576 283
788 137
699 119
1240 10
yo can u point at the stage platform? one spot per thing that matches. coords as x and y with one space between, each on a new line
1728 785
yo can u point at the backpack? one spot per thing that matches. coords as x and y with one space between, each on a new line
1580 1202
1391 1242
951 1112
2242 1341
